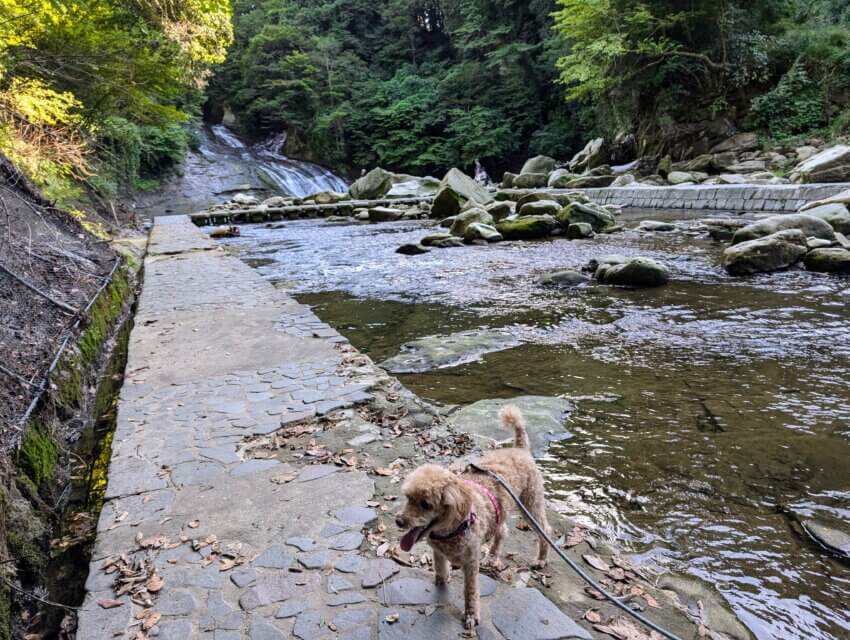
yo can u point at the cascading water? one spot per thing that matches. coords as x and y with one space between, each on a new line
291 177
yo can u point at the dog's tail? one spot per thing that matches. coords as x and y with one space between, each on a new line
512 417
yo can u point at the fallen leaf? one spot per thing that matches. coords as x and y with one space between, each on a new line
384 471
593 616
575 537
154 583
108 603
151 620
596 562
624 629
392 618
283 478
194 524
652 602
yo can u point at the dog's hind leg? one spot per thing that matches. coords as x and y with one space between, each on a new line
493 556
535 502
442 569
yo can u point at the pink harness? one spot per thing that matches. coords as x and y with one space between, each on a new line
472 518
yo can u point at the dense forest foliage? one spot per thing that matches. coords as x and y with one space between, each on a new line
97 92
420 85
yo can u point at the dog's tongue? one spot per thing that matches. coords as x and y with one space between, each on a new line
411 538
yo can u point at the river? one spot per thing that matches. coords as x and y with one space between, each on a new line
710 414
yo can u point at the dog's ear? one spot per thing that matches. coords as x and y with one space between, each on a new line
455 499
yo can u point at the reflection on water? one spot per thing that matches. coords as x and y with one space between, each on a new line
708 410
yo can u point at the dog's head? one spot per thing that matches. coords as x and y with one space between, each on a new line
435 497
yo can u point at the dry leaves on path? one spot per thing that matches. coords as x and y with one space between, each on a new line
575 537
624 628
596 562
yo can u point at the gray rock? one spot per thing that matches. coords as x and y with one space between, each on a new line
354 515
833 540
463 220
352 618
434 238
540 208
384 214
220 615
624 180
836 214
527 227
376 184
817 243
680 177
412 591
253 466
545 418
291 608
348 564
579 231
826 260
499 210
174 630
697 595
563 278
830 165
839 198
302 544
309 626
531 180
739 143
348 541
520 614
414 188
590 182
377 571
337 584
595 216
245 200
560 178
538 164
178 603
722 229
637 272
478 231
456 190
314 560
594 154
315 471
345 598
770 253
434 352
809 225
655 225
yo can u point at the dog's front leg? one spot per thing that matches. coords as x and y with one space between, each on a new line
471 595
442 568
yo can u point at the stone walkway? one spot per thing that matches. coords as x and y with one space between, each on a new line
255 473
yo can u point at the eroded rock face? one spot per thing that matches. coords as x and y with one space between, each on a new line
637 272
830 165
809 225
776 251
828 260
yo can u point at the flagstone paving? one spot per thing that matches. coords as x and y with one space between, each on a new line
231 544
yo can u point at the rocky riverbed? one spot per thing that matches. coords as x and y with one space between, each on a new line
709 420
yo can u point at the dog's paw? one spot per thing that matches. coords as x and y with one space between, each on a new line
442 581
495 563
539 564
470 621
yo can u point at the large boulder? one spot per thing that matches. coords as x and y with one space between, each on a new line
559 178
478 231
748 166
830 165
590 182
680 177
499 210
637 272
328 197
594 154
579 231
415 188
538 164
596 217
623 181
374 185
456 190
828 260
463 220
738 143
384 214
540 208
777 251
531 180
527 227
836 214
809 225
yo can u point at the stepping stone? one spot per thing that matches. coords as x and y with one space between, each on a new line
309 626
253 466
190 473
412 591
178 603
360 633
412 625
345 598
314 560
355 516
519 614
243 577
362 440
316 471
331 530
262 630
351 618
377 571
337 584
348 564
296 416
302 544
347 541
291 608
224 455
220 616
275 557
174 630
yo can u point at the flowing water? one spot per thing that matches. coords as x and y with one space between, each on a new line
710 413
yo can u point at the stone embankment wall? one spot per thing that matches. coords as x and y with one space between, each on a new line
726 197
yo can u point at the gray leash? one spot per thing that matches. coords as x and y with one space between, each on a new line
582 574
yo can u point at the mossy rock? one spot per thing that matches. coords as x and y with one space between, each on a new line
527 227
38 454
596 217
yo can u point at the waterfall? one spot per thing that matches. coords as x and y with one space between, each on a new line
291 177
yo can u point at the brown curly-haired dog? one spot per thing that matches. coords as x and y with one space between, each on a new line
457 514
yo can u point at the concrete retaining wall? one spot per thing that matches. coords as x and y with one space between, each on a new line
728 197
